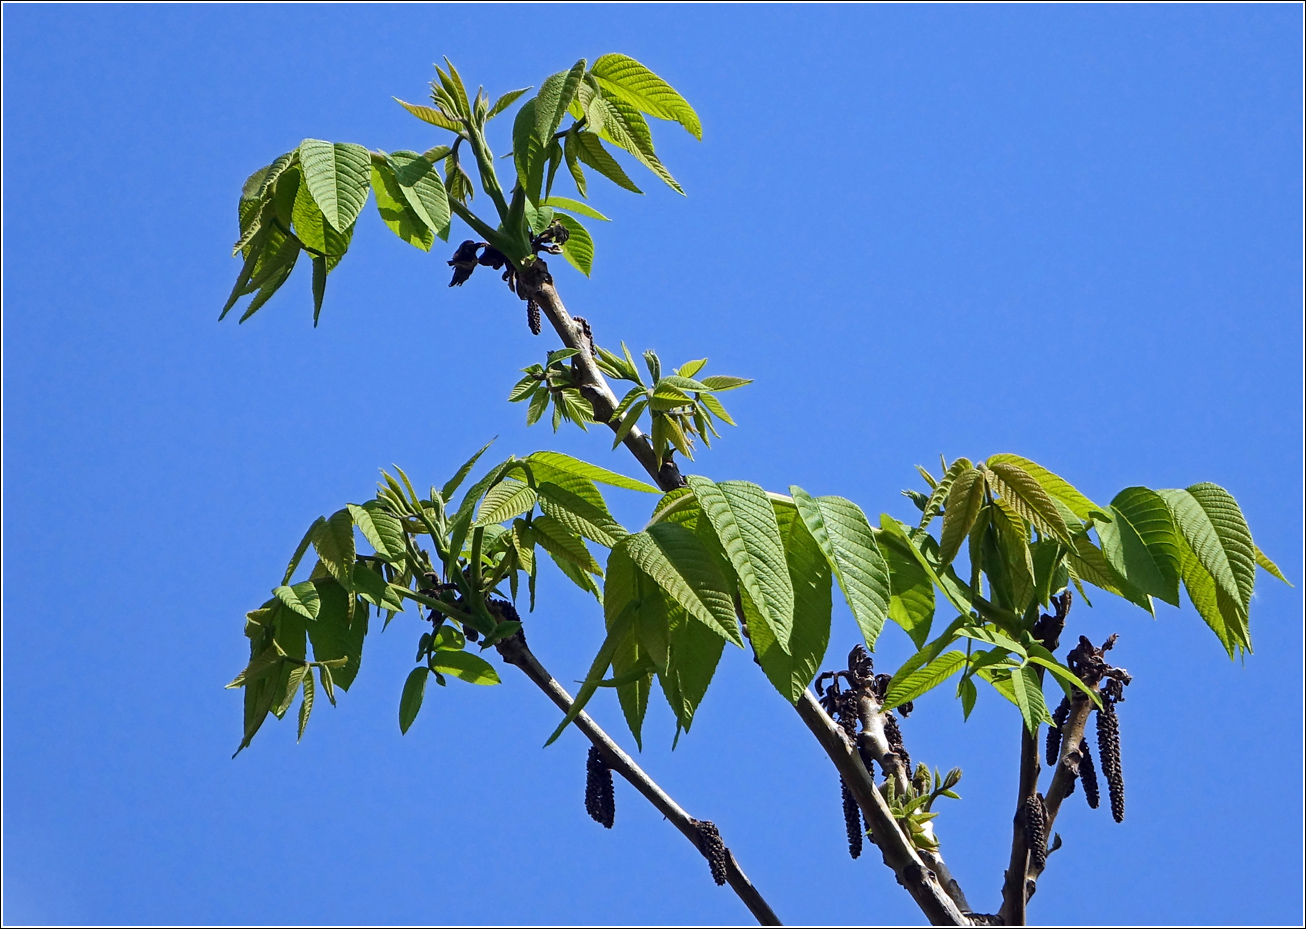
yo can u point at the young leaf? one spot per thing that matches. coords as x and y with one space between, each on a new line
465 666
566 203
940 490
334 636
744 521
965 496
451 487
1264 561
382 530
1055 486
302 598
337 176
626 78
924 679
1028 498
395 211
504 102
590 151
419 182
1145 512
304 543
504 501
594 473
579 247
554 98
911 600
577 503
844 536
431 115
410 703
334 541
306 706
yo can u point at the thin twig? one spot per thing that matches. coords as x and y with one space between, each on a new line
516 652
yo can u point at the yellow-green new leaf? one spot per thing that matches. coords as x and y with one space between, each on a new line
431 115
1148 516
1264 561
465 666
626 78
964 499
1028 497
923 680
1055 486
504 501
593 472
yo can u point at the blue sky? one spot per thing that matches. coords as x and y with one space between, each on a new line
1069 232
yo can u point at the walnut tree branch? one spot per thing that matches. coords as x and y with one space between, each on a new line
515 651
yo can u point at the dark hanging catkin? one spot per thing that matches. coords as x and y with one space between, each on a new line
1088 774
1054 731
1035 831
714 850
533 316
852 820
893 735
1108 749
599 800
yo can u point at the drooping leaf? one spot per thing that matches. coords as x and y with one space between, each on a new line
1217 608
306 707
337 175
302 598
334 636
625 77
1145 512
1264 561
1013 544
745 524
556 538
304 543
843 534
334 542
382 530
590 151
396 212
911 599
1089 563
1233 535
676 559
419 182
410 702
693 653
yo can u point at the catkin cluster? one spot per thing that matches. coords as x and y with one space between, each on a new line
1108 747
1088 774
1035 830
1059 718
599 800
714 850
893 735
852 820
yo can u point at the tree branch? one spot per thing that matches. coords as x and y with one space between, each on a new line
1015 891
921 881
535 283
515 651
1063 776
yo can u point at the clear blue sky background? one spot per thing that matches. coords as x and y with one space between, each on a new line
1071 232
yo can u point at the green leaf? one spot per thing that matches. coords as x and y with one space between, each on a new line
556 538
410 703
451 487
319 286
566 203
593 472
844 536
745 524
924 679
626 78
618 628
334 636
1028 696
694 651
382 530
622 125
504 501
527 152
466 667
1065 677
927 653
306 706
431 115
1233 536
1028 497
965 496
395 212
957 594
419 182
1218 610
577 503
720 382
1146 517
372 587
1055 486
1013 542
337 176
1089 563
313 229
579 247
304 543
1263 560
334 541
911 600
591 152
302 598
504 102
555 96
939 490
676 559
